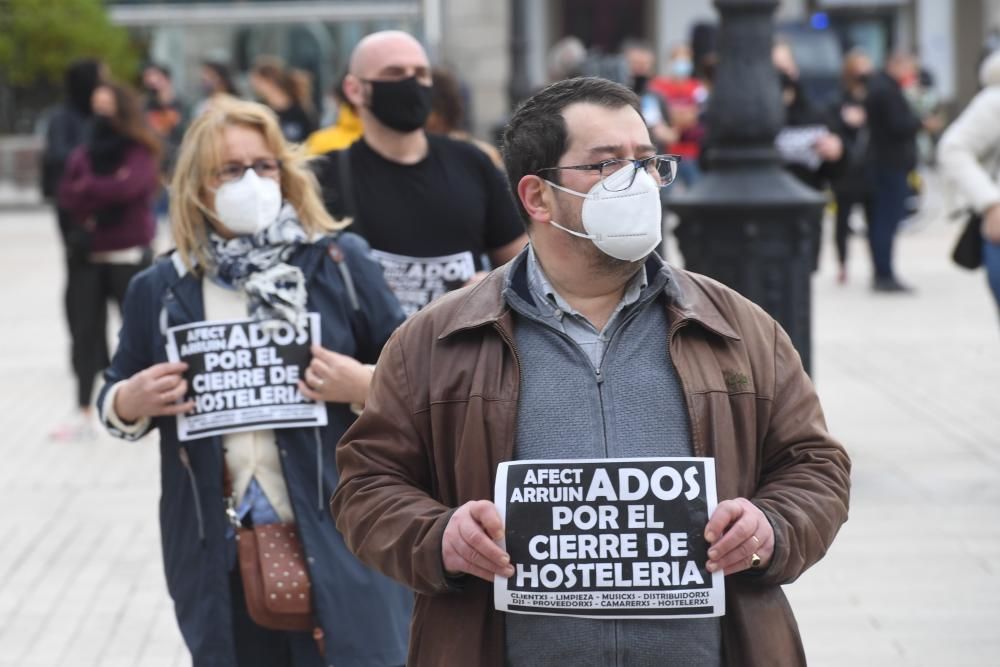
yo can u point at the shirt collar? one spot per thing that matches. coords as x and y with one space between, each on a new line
547 298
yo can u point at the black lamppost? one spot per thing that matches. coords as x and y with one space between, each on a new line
519 87
747 222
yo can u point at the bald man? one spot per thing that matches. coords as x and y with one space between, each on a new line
436 212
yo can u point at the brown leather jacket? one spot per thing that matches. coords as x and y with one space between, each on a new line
441 415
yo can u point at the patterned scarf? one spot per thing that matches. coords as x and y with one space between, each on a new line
256 265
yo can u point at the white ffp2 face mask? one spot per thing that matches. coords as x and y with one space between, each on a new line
626 224
248 205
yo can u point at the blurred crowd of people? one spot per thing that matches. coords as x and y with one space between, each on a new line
862 145
863 149
109 157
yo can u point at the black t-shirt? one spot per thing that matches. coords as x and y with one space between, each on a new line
429 224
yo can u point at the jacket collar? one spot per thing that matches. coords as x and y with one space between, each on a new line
184 288
484 303
691 304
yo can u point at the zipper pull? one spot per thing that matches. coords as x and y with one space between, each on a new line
600 377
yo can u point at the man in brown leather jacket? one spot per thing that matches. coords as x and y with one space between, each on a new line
587 345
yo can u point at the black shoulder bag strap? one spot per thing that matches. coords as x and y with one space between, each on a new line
346 182
358 326
337 255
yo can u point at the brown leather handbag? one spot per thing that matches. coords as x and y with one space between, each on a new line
275 577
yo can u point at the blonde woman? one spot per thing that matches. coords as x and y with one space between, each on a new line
254 241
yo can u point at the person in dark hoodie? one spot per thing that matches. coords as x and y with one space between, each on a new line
67 127
107 191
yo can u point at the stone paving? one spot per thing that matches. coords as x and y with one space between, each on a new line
909 383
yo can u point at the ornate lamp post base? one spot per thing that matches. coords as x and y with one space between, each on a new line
747 222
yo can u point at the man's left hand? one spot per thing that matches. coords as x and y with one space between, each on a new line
736 531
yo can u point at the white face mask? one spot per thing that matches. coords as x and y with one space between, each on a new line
248 205
626 224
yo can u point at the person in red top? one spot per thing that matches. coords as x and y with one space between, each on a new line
107 190
684 95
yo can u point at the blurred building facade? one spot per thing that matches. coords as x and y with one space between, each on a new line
499 48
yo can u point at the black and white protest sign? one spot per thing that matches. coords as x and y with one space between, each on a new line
797 145
608 538
416 281
243 375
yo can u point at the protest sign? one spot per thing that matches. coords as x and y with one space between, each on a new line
797 145
608 538
416 281
243 375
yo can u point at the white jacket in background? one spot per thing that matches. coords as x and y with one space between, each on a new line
969 150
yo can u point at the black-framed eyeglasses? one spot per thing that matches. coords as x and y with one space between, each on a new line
233 171
663 169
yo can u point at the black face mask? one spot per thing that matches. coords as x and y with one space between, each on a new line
106 145
639 83
401 105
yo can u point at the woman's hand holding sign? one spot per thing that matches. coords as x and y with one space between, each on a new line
335 378
469 544
153 392
741 537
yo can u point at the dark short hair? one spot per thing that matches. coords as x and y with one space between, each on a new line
536 136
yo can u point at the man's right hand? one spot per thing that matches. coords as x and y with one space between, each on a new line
153 392
470 541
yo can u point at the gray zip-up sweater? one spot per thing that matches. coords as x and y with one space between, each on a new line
631 405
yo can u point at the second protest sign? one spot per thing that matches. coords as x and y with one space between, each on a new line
608 538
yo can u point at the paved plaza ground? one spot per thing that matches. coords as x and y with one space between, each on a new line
911 384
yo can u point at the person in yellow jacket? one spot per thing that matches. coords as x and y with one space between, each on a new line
342 133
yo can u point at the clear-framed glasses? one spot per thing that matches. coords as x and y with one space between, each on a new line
663 169
264 167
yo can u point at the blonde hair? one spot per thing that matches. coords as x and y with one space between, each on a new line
200 157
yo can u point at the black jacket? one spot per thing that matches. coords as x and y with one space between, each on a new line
855 177
892 123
